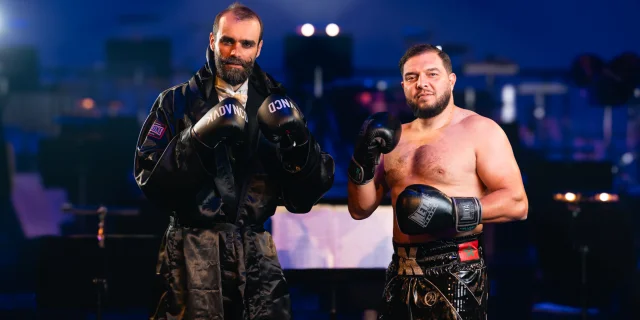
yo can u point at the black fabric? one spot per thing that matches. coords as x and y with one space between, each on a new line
233 273
444 280
216 260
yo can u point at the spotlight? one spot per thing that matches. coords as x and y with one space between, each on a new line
508 111
606 197
538 113
567 197
627 158
307 30
570 196
87 103
332 29
382 85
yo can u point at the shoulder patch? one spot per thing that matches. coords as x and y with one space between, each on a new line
157 130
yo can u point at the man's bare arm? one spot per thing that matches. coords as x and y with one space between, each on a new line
363 200
506 199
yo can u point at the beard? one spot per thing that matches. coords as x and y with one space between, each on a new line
430 111
233 76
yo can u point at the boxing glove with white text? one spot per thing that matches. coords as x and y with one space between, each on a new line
223 122
422 209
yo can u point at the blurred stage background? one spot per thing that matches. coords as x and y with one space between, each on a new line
77 79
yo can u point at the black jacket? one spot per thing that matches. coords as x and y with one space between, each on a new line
216 260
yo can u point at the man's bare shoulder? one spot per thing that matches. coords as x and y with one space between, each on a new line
476 123
406 129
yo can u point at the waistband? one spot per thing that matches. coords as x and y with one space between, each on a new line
177 222
465 249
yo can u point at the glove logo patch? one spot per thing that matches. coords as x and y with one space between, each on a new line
228 109
280 104
422 216
157 130
469 213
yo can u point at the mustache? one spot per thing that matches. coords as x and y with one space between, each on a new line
425 92
234 60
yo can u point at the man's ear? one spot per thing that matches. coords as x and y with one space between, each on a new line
212 41
452 79
259 48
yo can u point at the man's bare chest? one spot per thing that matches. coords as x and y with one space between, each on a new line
445 162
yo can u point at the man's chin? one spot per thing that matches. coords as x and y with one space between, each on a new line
426 109
235 78
426 112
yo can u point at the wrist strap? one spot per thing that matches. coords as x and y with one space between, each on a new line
468 211
356 173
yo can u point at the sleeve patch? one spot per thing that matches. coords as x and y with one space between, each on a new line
157 130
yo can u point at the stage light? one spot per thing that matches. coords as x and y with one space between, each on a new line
87 103
307 30
332 29
570 196
365 98
539 91
508 111
567 197
606 197
575 198
382 85
627 158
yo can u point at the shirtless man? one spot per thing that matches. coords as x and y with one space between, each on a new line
449 171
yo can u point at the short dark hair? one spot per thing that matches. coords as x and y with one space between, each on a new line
419 49
241 12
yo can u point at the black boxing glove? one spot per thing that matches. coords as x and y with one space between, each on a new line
224 122
379 134
422 209
282 123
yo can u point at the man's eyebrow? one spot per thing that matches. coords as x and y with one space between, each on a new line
227 38
413 73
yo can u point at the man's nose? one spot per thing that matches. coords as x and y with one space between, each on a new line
422 82
235 49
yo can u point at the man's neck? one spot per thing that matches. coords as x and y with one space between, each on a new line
437 122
